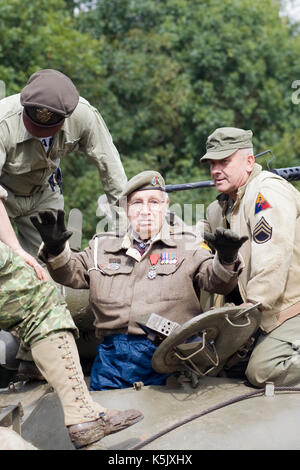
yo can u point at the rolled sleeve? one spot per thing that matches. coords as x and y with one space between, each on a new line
55 262
223 273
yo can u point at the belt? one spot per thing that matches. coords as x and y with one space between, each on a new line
289 312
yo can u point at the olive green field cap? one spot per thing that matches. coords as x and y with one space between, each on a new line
142 181
224 141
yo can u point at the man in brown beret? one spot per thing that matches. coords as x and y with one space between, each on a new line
265 208
38 127
154 267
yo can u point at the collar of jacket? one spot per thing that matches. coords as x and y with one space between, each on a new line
22 132
125 242
223 198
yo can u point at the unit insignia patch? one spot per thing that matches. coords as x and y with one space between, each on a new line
205 246
261 204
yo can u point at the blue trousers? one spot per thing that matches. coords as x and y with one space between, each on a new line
122 360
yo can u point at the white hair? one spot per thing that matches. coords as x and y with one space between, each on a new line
166 196
247 151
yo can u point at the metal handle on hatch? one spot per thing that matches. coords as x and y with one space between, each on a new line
238 326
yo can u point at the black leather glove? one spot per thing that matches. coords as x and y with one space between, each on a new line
226 243
52 230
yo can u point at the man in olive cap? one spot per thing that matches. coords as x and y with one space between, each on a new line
152 268
266 208
38 127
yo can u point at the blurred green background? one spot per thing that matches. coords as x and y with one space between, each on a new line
163 74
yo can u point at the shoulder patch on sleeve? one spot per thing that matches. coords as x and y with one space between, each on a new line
205 246
262 231
261 204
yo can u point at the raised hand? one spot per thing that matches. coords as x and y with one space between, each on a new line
226 243
52 230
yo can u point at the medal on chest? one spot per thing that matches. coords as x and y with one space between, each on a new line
114 263
168 258
153 261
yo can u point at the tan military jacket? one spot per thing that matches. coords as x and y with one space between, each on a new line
120 289
267 209
24 164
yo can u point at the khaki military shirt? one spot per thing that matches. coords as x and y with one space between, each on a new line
267 209
120 288
24 164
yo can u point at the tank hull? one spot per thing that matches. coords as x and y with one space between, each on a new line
232 419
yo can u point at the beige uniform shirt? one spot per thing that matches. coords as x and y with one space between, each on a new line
24 164
267 209
120 289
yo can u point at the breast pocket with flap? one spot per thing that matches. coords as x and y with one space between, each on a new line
114 287
169 283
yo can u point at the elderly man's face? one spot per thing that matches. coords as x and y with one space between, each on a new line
230 173
146 211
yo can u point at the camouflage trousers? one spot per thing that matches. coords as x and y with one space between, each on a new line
32 308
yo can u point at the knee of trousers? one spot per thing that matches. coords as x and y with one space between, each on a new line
283 372
257 376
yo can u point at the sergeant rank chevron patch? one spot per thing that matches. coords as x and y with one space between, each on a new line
262 231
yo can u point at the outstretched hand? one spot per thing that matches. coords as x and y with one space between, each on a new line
53 230
226 243
40 272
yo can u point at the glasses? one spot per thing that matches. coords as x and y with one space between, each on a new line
153 206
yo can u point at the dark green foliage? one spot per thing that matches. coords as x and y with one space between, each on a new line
163 74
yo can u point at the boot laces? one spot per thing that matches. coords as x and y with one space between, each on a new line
77 386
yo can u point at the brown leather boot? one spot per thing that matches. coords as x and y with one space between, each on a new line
109 422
